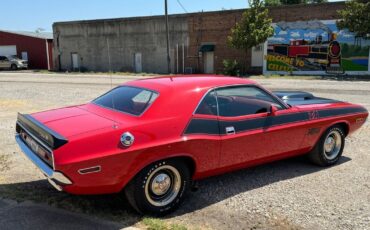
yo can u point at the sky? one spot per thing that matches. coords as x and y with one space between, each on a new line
29 15
285 36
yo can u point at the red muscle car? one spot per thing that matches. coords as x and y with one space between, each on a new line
152 138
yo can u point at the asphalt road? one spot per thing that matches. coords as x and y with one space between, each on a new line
289 194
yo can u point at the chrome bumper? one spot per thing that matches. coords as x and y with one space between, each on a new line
54 178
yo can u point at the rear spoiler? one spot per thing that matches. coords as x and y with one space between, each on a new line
43 133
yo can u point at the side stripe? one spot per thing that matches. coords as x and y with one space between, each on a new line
203 126
215 127
341 111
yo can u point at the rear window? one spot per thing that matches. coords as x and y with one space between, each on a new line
127 99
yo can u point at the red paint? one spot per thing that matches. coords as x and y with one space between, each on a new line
35 47
94 134
295 51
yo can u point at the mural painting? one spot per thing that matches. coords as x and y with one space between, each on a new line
315 46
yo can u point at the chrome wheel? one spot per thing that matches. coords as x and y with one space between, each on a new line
163 185
332 145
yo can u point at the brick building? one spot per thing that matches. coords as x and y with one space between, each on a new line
36 48
197 41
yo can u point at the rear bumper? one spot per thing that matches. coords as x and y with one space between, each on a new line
56 179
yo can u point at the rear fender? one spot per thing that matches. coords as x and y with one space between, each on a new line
139 164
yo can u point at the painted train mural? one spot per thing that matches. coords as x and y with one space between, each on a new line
315 46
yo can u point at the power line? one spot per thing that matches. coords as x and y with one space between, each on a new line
182 6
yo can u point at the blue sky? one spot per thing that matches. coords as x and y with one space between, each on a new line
28 15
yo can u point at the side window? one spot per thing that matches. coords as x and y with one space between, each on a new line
244 100
208 106
2 58
145 97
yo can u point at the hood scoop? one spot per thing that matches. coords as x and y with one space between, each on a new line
294 95
293 98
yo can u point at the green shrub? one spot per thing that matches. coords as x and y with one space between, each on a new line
231 68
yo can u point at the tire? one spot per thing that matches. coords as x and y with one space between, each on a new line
329 148
149 197
13 67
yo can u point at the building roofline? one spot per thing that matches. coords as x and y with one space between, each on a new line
42 36
183 15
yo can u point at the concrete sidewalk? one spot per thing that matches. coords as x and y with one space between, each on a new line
28 215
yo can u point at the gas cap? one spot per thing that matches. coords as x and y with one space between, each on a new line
127 139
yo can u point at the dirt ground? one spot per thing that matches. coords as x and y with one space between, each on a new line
288 194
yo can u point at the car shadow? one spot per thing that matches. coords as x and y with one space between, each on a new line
93 209
212 190
219 188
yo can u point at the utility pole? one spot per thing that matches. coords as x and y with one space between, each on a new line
168 38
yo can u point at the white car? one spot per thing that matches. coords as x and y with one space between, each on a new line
13 63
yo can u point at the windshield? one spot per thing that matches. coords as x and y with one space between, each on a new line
12 57
127 99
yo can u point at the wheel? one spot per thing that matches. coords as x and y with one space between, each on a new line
329 148
159 188
13 67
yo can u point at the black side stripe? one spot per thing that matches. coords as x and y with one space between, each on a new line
211 127
203 126
341 111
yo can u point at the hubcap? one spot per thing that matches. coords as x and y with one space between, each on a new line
332 145
163 185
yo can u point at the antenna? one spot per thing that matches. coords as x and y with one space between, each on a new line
109 63
110 72
167 38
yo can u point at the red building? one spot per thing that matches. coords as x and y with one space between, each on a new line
35 47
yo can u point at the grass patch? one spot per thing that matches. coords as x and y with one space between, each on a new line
348 65
157 224
4 163
6 103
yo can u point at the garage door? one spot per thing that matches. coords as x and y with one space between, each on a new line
8 50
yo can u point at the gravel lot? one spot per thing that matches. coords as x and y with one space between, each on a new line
289 194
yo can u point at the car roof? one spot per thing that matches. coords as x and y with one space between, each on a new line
188 82
181 94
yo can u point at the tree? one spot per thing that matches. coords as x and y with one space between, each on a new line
292 2
272 3
317 1
356 18
253 29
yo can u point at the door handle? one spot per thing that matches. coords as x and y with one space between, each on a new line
230 130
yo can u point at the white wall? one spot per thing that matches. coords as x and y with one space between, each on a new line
257 56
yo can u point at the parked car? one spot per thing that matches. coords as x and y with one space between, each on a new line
152 138
13 63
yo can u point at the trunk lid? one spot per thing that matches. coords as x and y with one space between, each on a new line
72 121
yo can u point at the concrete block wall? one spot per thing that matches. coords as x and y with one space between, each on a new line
124 37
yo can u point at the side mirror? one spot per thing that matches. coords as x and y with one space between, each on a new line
273 110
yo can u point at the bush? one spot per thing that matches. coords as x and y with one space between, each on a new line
231 68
